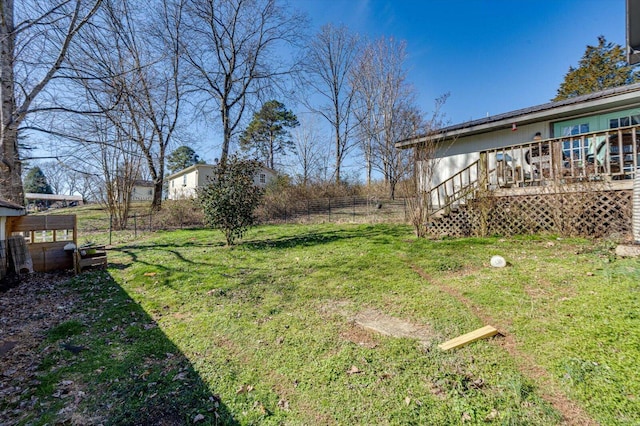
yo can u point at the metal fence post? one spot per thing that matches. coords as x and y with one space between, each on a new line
354 208
135 225
404 202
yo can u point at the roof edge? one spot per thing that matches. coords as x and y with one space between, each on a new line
549 107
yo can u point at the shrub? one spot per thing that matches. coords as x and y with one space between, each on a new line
179 214
229 201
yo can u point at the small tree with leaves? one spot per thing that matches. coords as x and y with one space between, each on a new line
230 199
268 134
602 67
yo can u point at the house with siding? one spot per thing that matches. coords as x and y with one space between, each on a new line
184 184
142 190
591 141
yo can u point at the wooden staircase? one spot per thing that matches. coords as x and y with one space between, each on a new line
454 193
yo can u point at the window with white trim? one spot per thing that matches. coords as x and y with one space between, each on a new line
629 120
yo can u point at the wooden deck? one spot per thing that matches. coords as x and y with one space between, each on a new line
611 155
551 188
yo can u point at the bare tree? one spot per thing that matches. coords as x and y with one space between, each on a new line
135 60
385 109
83 183
112 162
232 46
309 151
424 163
57 176
34 40
329 61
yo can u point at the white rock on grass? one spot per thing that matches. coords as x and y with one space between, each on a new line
498 262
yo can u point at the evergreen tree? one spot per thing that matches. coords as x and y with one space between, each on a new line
602 67
268 134
36 182
182 158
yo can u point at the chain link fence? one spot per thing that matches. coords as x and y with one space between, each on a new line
187 214
337 209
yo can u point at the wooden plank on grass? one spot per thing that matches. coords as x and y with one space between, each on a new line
481 333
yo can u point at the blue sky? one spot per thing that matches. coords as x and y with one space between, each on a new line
492 56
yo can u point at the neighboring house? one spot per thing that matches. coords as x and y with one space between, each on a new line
8 209
585 144
142 190
36 201
184 184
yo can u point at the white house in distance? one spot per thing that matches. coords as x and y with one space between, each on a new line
183 184
142 190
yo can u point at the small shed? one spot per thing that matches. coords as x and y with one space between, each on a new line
7 210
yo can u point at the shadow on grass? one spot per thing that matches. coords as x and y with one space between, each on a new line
308 239
379 234
132 372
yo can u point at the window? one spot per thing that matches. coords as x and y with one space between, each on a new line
575 129
575 149
632 120
263 178
184 180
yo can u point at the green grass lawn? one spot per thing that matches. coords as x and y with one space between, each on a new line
265 331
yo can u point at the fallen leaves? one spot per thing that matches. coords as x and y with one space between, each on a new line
244 389
283 405
354 370
40 302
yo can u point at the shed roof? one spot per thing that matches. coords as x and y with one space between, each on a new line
580 105
8 208
52 197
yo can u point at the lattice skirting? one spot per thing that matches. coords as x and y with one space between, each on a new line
593 214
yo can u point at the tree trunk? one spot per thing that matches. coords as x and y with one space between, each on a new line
10 168
338 144
156 203
224 111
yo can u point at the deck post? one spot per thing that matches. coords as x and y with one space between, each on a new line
556 160
483 172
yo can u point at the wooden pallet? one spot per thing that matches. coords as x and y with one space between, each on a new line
94 257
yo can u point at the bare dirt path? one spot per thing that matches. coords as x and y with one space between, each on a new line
572 413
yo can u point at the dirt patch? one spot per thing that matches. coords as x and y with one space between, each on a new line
369 321
359 336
